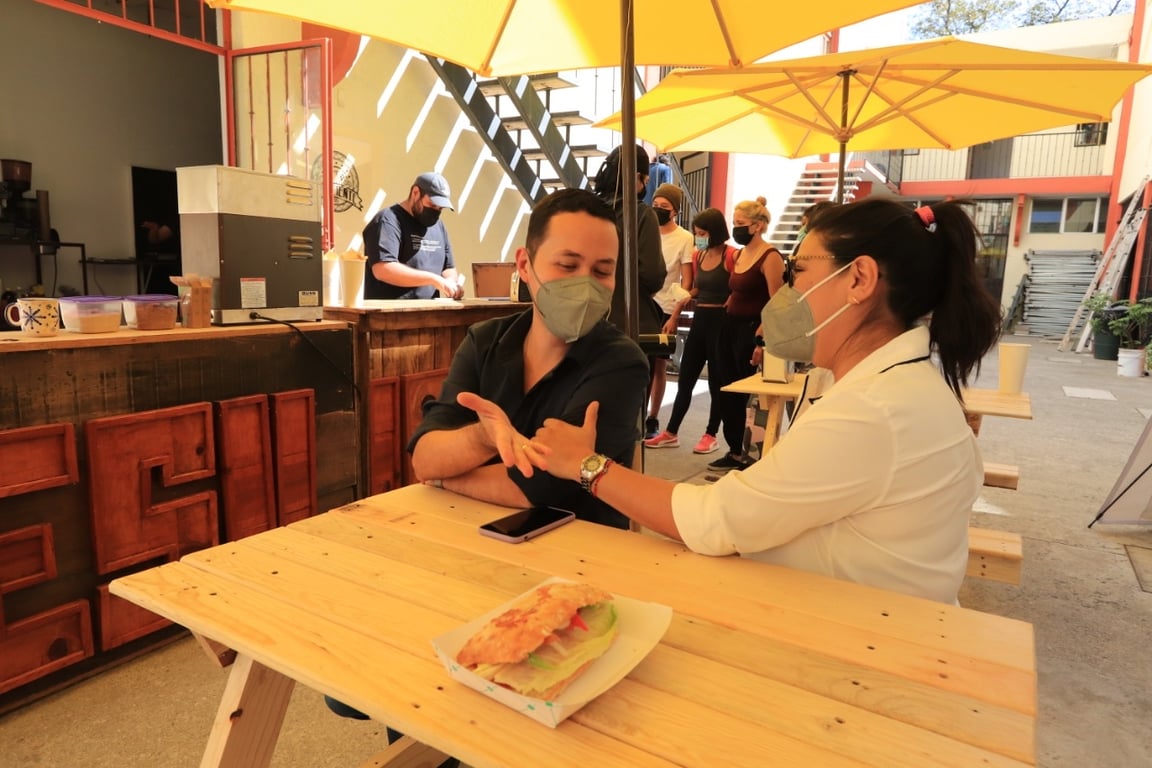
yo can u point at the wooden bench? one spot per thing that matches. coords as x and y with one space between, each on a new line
995 555
1001 476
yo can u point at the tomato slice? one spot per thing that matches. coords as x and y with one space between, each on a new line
577 622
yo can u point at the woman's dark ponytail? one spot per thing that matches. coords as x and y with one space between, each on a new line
965 323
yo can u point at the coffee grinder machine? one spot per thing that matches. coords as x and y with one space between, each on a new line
21 218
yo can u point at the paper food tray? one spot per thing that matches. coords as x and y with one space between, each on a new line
640 625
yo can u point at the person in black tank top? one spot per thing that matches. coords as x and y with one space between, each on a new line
711 265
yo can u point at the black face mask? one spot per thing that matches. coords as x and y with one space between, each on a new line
663 215
741 235
428 216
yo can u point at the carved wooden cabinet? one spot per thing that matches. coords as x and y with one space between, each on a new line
126 450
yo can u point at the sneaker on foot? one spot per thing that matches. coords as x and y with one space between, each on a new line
707 444
651 427
728 461
663 440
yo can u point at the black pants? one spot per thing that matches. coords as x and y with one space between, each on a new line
733 362
702 346
344 710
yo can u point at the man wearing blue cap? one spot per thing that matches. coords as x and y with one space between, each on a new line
407 246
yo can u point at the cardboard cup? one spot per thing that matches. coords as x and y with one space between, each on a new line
39 317
351 280
331 288
1013 362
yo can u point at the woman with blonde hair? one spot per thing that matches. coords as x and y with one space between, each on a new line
757 274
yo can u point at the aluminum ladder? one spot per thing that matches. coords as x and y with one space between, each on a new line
1112 266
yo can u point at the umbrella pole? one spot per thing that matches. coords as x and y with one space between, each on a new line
840 175
843 134
629 232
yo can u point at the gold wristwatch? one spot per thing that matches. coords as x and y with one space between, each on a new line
591 468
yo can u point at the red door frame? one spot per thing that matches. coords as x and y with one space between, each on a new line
325 95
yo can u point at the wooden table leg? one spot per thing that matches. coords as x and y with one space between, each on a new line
249 718
774 407
406 752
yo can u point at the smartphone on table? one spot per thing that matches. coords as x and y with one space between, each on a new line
527 524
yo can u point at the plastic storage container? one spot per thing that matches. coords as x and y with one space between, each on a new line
151 312
90 314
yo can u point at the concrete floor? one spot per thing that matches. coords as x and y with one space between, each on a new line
1079 589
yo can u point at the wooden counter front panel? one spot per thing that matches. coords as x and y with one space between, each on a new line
122 621
384 448
247 491
415 389
27 558
35 458
54 394
125 452
294 448
44 643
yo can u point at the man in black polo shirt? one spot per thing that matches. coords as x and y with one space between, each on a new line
552 361
407 246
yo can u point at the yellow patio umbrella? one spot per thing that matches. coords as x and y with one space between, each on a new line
944 93
495 38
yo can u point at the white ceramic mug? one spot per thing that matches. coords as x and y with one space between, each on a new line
39 317
1013 362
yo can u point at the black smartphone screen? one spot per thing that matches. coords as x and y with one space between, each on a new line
522 523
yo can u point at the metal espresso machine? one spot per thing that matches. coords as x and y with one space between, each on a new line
258 237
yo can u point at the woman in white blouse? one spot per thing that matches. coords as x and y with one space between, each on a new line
875 482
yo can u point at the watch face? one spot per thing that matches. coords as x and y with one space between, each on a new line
592 463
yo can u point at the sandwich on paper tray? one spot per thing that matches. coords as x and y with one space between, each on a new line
544 641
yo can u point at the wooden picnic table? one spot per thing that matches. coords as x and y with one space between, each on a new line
990 402
762 665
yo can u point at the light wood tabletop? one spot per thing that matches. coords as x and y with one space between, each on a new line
991 402
761 666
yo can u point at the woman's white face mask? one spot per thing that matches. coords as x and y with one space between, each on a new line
788 327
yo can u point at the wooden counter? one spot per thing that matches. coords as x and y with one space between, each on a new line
119 451
403 349
18 342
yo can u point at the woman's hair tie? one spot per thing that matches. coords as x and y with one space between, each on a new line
927 217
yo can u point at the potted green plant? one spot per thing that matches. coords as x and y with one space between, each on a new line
1105 343
1132 323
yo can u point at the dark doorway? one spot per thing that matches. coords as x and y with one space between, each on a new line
156 220
992 160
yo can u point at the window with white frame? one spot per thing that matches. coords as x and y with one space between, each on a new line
1069 214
